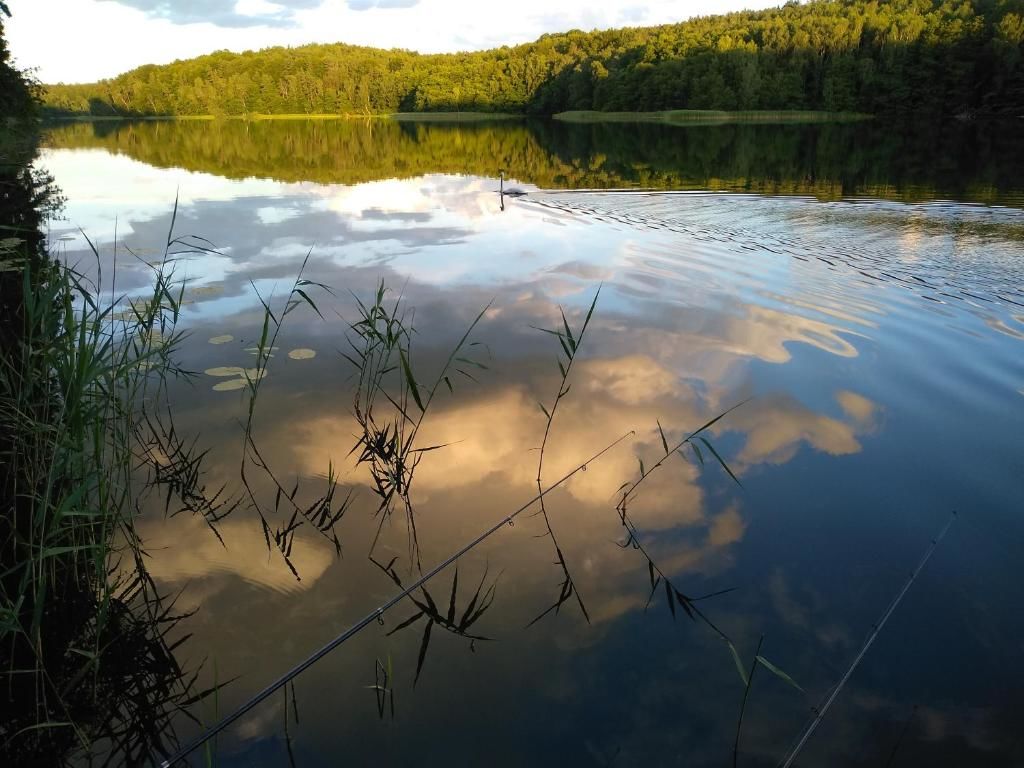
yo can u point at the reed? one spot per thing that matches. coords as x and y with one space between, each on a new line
459 623
74 389
674 595
86 398
568 345
390 405
327 510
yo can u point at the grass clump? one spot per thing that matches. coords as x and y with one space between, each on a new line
390 404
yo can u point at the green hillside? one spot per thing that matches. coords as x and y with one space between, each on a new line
947 57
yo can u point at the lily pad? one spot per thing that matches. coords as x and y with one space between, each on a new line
302 354
225 371
230 385
222 339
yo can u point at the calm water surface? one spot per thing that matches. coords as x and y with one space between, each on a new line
859 288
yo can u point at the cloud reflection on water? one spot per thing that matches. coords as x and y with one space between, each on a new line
683 331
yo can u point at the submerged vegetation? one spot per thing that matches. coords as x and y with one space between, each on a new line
941 57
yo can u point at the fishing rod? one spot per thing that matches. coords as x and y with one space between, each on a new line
375 615
819 714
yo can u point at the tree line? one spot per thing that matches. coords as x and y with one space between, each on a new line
949 57
18 92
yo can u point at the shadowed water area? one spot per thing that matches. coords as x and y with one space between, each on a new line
856 290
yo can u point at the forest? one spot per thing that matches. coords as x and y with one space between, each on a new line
18 92
939 57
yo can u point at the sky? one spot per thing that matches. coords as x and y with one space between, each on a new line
85 40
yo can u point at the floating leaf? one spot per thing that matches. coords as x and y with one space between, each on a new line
230 385
225 371
222 339
302 354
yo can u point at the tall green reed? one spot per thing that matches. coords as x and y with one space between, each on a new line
83 370
326 511
390 404
569 344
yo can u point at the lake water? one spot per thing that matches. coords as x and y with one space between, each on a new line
857 289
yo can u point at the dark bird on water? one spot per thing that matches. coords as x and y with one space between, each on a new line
511 191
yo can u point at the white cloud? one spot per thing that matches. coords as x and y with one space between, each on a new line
223 13
102 38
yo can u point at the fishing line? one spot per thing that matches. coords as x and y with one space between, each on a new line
819 713
376 615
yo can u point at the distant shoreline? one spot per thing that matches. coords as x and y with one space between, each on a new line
669 117
423 117
712 117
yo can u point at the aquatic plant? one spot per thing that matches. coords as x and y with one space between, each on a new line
390 405
457 623
569 344
674 595
83 630
325 512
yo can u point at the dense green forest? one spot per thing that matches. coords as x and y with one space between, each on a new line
17 92
938 56
975 160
